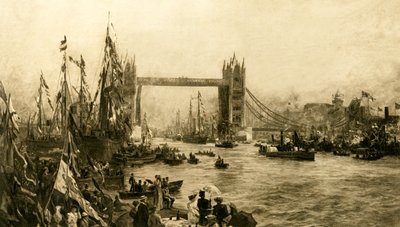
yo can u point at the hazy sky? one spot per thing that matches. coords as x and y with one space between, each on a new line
310 48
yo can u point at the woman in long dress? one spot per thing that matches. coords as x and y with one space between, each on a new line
193 211
158 197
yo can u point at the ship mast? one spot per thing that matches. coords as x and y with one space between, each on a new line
190 117
39 105
198 111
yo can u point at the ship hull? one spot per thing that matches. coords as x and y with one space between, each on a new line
226 144
44 145
102 149
295 155
196 139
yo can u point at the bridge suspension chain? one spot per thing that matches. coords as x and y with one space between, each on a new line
278 120
273 114
262 118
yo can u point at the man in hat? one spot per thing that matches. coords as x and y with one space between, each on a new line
132 182
220 211
204 206
142 215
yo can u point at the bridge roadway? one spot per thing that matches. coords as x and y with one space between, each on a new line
181 81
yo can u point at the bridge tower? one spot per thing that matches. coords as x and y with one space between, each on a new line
232 97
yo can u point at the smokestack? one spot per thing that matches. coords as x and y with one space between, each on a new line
386 112
281 138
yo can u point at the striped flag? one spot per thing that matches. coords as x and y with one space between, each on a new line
66 184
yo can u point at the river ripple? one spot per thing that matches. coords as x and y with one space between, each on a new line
331 191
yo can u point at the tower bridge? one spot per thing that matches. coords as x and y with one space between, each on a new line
231 91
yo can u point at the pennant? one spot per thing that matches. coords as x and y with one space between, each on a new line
82 62
3 92
25 164
43 81
13 116
63 44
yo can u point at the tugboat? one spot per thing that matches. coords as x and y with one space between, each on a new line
289 151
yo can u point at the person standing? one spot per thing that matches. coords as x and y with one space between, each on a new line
204 207
193 210
132 182
158 196
142 215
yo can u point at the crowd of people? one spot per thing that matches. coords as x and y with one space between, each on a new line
203 214
159 186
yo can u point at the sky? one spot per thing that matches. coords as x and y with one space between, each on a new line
304 49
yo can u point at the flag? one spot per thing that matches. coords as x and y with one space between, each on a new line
66 184
380 109
63 44
397 106
367 95
72 152
3 92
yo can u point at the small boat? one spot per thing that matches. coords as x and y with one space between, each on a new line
131 160
367 154
193 160
206 153
226 143
173 186
173 162
110 182
221 165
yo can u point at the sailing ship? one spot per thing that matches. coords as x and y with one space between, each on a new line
44 135
228 140
105 135
196 129
178 129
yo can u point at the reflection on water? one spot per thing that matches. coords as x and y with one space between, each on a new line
332 191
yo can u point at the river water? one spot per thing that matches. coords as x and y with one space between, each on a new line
331 191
